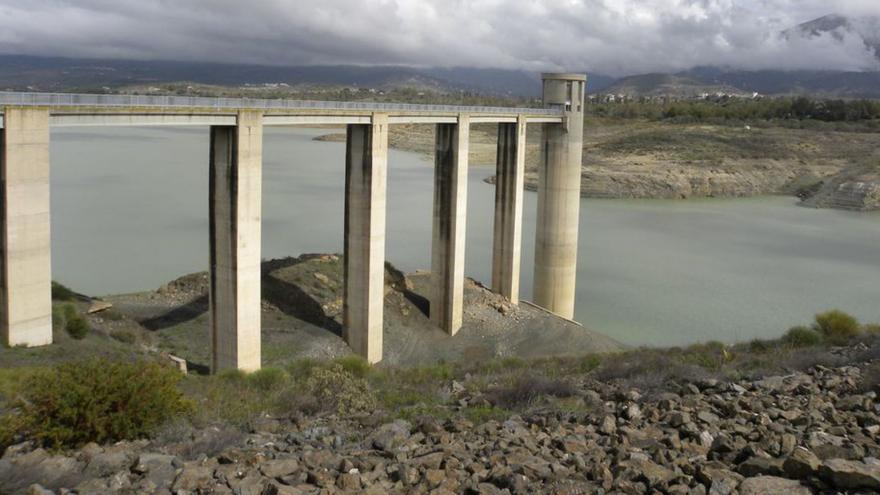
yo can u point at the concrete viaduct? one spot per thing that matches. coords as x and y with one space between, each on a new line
235 170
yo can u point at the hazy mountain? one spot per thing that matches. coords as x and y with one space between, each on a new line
64 74
837 26
827 84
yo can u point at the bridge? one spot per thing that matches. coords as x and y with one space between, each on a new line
235 179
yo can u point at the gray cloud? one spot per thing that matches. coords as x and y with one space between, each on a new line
611 36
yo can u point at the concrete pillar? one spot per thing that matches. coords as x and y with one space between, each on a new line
450 214
507 238
25 248
235 210
366 170
559 194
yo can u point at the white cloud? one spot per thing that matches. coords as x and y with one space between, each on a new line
610 36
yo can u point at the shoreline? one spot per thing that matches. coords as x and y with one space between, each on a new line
638 162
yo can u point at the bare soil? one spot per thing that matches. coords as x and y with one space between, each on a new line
302 318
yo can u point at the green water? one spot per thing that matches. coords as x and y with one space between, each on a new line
130 212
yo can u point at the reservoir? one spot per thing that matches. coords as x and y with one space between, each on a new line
130 213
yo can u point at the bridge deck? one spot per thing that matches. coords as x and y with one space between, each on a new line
102 110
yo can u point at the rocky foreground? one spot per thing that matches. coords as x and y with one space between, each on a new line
806 432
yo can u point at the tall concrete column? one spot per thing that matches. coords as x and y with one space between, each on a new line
235 225
366 170
507 239
25 248
450 214
559 194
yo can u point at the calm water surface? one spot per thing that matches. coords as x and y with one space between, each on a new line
130 210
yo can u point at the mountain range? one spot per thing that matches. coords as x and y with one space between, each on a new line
30 73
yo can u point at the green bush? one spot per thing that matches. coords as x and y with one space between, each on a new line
801 336
267 379
77 327
62 293
337 389
355 365
836 326
97 401
73 323
124 335
871 329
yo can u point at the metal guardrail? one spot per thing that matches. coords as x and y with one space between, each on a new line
220 104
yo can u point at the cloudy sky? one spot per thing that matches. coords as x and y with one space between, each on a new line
615 37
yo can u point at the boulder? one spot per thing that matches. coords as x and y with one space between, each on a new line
847 474
801 464
389 437
771 485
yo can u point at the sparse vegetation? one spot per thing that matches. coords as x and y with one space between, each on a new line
801 336
836 326
96 401
62 293
74 323
742 109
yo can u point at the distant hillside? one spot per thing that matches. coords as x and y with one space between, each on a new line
65 74
680 85
823 84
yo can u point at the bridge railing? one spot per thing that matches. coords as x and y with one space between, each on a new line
100 100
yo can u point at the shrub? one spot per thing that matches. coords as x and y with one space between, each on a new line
339 390
355 365
528 387
68 317
801 336
871 329
267 379
836 326
124 335
77 327
589 363
62 293
97 401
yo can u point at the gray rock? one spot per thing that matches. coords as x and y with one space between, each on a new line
801 464
608 426
756 466
678 418
771 485
158 469
389 437
278 468
37 489
109 462
39 467
194 479
653 474
846 474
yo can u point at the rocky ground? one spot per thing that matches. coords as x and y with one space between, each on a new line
809 431
640 159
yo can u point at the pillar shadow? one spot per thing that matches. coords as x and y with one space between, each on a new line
178 315
292 300
419 301
197 368
287 297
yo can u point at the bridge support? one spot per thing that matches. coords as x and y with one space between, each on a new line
25 248
507 238
235 226
366 164
449 225
559 188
